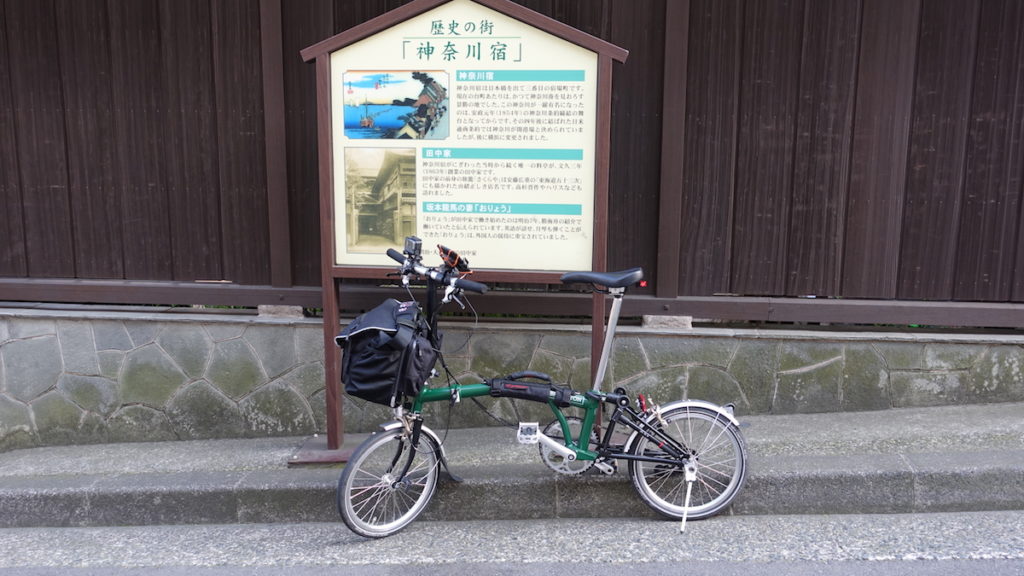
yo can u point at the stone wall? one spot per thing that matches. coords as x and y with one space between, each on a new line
85 377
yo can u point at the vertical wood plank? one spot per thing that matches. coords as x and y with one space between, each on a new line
821 169
240 134
12 233
635 129
990 260
770 79
305 22
84 32
35 87
673 113
709 152
275 142
938 137
880 139
138 108
190 140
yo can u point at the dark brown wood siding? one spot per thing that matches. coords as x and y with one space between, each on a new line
837 148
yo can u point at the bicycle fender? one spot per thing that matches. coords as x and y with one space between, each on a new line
437 442
721 410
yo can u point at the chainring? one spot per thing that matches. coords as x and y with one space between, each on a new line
556 461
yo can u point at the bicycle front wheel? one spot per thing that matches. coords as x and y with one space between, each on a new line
717 449
375 498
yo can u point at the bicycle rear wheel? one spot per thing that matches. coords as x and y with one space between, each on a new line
718 450
373 497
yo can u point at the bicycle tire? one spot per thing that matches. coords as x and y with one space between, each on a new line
371 500
720 454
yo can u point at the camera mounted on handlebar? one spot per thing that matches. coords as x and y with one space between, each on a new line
413 248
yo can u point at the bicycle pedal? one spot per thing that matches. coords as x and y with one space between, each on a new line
607 468
529 433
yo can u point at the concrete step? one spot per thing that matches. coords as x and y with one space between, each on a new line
965 458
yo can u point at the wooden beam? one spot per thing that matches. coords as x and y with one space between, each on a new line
275 144
673 113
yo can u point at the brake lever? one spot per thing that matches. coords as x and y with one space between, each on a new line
452 293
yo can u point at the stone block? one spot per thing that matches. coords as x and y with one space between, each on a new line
150 377
571 345
754 366
810 389
558 367
714 385
916 389
78 348
57 419
224 331
31 366
661 386
497 354
628 359
138 423
951 356
200 411
309 343
235 370
188 346
111 335
997 376
276 410
143 332
689 350
16 430
306 379
804 356
24 328
5 333
92 393
110 362
865 379
274 346
902 356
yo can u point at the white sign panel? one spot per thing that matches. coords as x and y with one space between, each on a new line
470 129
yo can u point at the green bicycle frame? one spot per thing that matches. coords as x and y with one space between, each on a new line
588 404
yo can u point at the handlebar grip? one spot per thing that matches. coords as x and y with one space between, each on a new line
471 285
396 255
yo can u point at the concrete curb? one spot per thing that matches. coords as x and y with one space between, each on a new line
923 460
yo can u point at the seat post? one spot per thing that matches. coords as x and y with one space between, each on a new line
609 335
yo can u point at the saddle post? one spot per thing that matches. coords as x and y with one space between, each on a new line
609 335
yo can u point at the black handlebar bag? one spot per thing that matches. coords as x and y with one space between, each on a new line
387 353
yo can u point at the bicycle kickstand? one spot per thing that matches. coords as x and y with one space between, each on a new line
690 472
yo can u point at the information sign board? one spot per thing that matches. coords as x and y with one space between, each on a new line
460 127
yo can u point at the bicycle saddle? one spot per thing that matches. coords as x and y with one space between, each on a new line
619 279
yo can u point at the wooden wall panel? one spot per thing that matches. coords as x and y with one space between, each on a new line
938 136
241 155
305 23
190 140
769 84
12 233
139 104
879 156
636 129
39 132
821 169
988 252
709 151
85 70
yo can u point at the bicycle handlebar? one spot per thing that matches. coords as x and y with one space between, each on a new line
435 274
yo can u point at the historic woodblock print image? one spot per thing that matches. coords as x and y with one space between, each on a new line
396 105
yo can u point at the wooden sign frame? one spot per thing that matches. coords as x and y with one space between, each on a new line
332 272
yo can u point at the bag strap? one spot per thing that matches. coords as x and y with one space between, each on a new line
408 324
